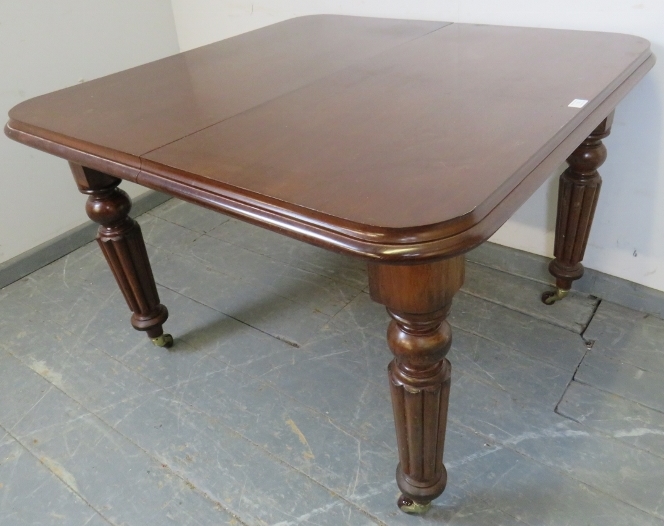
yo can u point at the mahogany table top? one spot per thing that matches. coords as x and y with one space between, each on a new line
389 139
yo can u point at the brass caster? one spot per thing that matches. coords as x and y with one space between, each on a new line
408 505
165 340
551 296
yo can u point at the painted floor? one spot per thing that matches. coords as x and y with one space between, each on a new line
273 405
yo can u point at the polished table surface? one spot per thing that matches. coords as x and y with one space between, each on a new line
380 137
406 143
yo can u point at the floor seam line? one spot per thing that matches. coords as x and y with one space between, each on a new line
288 342
31 453
485 337
171 390
95 415
551 467
620 396
503 271
345 282
576 370
531 315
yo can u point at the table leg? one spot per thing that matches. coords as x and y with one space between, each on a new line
418 298
577 198
122 244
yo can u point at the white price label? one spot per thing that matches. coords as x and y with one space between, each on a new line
578 103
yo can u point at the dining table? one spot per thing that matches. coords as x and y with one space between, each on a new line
405 143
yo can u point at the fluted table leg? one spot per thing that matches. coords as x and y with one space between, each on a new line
577 199
418 298
122 244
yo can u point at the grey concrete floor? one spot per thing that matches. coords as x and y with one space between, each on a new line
273 406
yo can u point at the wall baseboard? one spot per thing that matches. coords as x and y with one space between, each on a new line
20 266
511 260
593 282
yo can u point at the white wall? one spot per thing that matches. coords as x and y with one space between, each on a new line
627 238
48 45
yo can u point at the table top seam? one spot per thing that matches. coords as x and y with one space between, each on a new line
308 84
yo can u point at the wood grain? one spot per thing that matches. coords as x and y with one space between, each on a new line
418 298
407 143
391 140
121 242
578 193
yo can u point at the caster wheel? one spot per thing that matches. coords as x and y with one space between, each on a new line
551 296
408 505
165 340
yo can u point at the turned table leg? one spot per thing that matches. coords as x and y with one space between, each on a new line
418 298
577 198
122 244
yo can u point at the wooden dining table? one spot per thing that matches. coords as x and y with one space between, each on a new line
404 143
